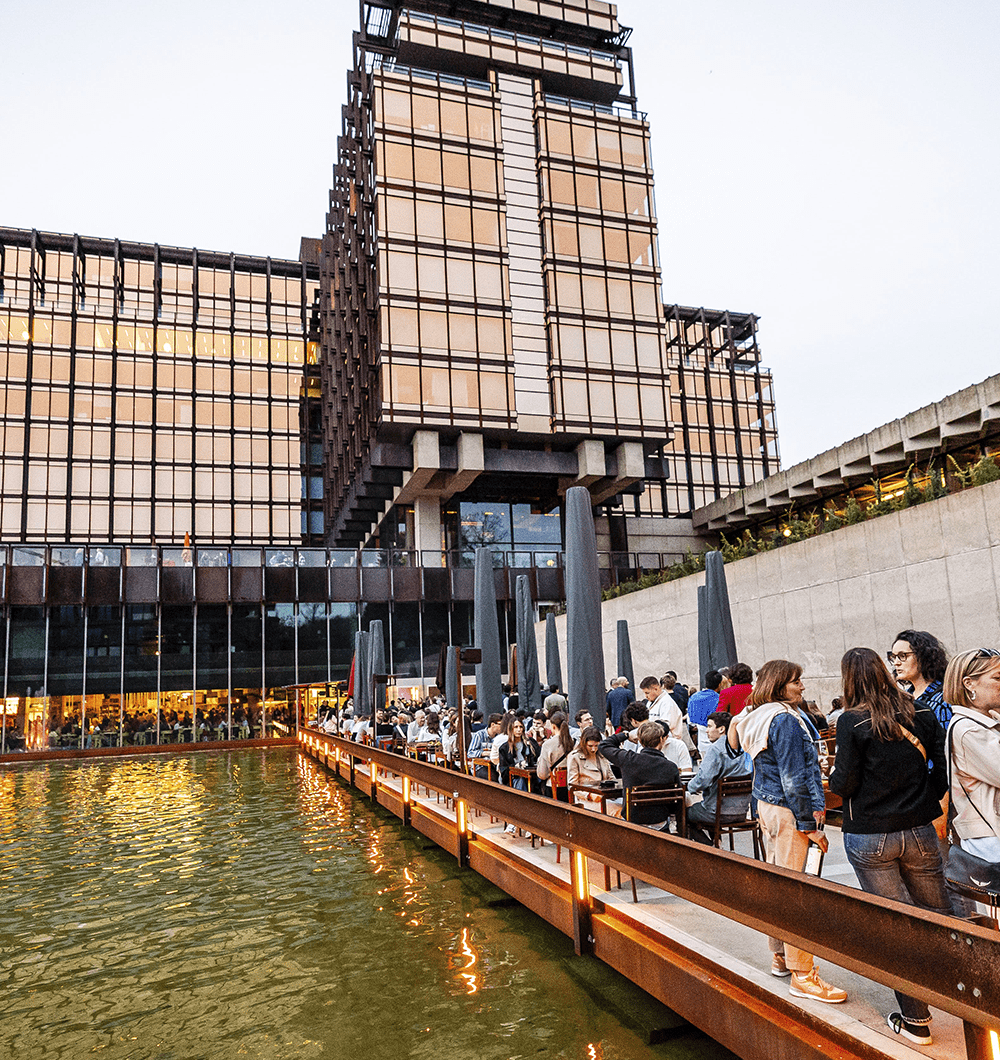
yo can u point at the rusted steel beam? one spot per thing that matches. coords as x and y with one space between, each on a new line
946 962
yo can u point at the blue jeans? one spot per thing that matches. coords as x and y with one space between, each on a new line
905 866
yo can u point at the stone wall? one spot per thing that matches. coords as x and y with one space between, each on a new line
934 567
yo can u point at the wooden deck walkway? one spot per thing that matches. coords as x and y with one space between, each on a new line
718 952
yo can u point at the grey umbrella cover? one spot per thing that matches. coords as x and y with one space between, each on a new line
529 691
584 650
625 655
489 693
376 653
553 666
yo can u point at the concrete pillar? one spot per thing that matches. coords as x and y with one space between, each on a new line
428 531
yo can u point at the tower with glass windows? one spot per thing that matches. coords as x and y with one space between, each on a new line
493 328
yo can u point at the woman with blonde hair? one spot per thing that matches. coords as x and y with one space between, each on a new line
791 806
972 687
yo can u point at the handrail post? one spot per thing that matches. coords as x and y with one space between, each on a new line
981 1044
579 872
462 830
406 800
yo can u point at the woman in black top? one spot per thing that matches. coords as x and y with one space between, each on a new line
890 800
520 751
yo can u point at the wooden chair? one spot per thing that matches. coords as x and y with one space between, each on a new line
669 800
737 787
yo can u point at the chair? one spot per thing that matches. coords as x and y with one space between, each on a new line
731 789
669 800
558 779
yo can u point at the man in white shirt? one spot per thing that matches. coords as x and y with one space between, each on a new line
415 726
663 707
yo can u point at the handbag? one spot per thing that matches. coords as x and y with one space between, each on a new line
962 867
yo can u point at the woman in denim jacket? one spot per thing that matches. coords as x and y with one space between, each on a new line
791 806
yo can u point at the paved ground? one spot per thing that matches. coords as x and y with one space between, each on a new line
741 948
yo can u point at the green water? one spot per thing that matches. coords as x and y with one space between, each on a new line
246 905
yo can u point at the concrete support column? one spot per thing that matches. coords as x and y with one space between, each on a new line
427 529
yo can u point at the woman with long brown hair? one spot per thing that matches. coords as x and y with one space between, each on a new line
555 750
791 806
884 742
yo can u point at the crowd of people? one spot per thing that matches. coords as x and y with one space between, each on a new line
916 763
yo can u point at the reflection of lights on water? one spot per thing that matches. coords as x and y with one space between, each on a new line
595 1051
467 975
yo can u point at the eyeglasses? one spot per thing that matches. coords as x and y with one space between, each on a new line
895 657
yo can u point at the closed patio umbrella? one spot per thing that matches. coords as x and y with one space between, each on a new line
376 651
553 665
720 637
529 691
584 651
362 676
489 693
625 655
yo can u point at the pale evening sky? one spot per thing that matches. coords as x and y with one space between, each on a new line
829 166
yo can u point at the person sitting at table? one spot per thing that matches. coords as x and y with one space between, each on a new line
501 737
556 749
481 743
521 752
431 731
716 765
585 765
676 750
413 731
649 766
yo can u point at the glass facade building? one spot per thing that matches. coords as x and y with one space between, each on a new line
492 326
216 468
167 392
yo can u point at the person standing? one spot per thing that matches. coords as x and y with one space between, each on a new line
972 686
791 806
734 697
618 700
884 742
554 701
662 706
701 705
919 660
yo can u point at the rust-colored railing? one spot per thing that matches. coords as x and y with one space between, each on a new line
946 962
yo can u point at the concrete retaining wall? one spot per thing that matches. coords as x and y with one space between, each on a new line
934 567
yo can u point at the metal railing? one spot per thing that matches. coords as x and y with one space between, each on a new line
947 962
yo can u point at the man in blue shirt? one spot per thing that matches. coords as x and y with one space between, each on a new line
703 703
716 765
618 700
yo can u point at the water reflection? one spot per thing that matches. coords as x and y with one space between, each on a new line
244 904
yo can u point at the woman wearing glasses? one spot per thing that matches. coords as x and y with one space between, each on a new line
918 660
972 685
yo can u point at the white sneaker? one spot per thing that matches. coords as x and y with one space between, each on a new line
511 829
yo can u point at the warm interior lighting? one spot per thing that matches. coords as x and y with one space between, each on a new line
582 878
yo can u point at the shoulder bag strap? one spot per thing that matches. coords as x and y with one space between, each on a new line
905 732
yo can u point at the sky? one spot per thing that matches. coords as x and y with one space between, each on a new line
829 166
